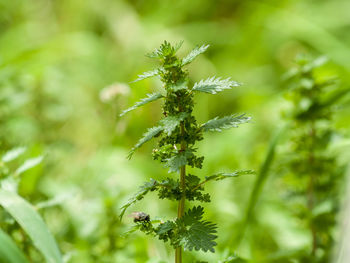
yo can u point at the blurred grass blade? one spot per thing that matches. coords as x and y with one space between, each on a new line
57 200
263 173
28 164
13 154
9 252
32 224
234 259
337 95
260 180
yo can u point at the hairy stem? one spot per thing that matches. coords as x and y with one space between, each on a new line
181 207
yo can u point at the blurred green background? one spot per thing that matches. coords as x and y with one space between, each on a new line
65 72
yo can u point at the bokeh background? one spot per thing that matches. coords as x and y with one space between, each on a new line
65 72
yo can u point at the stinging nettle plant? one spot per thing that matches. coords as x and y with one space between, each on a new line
178 131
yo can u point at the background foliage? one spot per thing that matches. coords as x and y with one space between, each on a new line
65 68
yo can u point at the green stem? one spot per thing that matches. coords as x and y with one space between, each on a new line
199 185
181 207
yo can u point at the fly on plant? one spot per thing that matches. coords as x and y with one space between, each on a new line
140 217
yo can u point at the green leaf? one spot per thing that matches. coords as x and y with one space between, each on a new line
214 85
192 215
199 234
144 189
192 180
221 176
175 162
9 252
226 122
151 132
165 50
13 154
165 227
148 99
28 164
180 85
32 224
147 74
170 123
169 189
130 231
138 227
178 45
193 54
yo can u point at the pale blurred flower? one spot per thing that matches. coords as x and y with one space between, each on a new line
112 91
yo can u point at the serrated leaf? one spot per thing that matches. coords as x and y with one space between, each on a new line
130 231
32 224
194 214
221 176
151 132
192 180
150 97
147 74
152 185
9 252
165 227
144 189
199 234
28 164
164 50
178 86
13 154
214 85
170 123
175 162
193 54
178 45
137 227
226 122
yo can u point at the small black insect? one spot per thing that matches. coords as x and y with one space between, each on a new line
140 217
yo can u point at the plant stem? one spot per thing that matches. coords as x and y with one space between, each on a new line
181 207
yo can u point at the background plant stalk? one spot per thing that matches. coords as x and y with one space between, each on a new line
310 193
